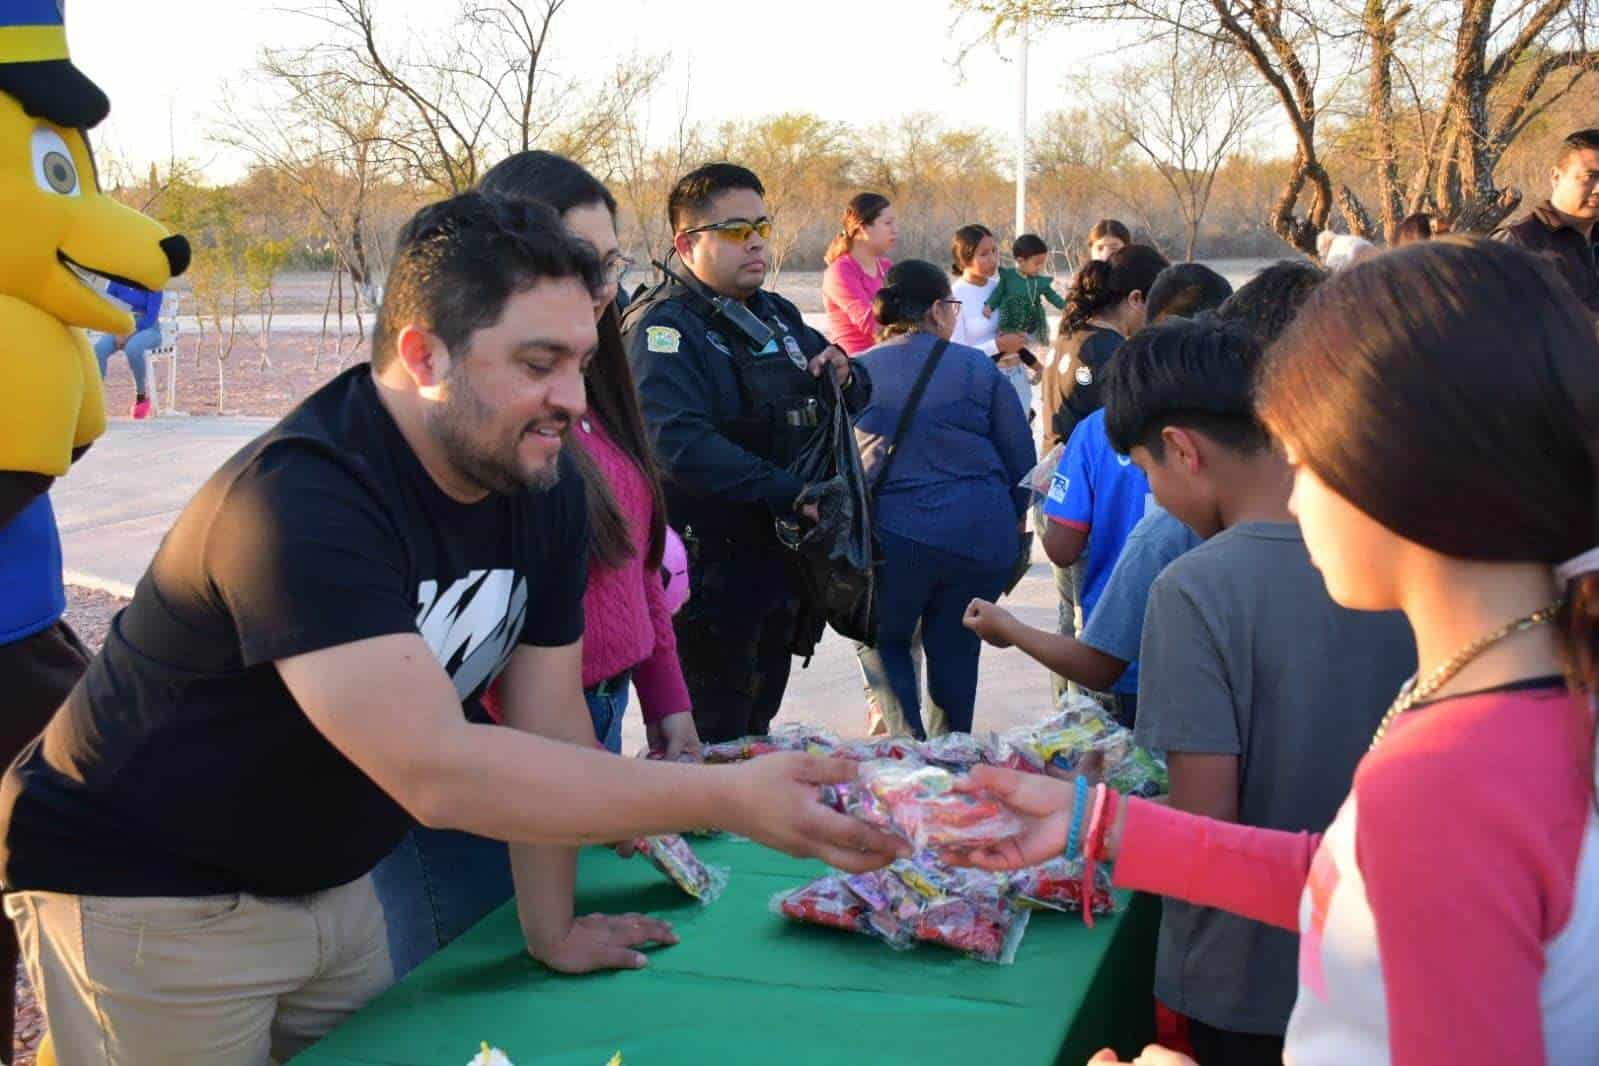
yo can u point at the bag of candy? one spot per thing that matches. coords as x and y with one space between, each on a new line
801 736
874 749
892 907
490 1056
953 751
1057 885
983 928
825 901
920 804
674 858
1040 477
737 750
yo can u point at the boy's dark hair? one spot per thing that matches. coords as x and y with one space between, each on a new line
1185 290
1267 302
1028 245
1412 228
458 261
1578 141
1196 374
692 195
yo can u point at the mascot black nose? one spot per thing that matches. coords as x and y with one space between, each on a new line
177 249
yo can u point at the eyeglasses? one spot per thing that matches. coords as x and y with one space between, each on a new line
617 267
737 230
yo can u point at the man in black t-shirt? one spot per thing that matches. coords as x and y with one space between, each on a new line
187 846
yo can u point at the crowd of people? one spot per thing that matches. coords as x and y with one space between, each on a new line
372 684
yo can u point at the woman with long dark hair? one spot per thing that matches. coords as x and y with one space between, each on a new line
857 260
439 882
1440 407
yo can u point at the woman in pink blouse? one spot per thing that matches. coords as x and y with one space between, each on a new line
856 262
437 883
1450 912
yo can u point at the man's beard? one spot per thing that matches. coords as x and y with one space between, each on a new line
495 468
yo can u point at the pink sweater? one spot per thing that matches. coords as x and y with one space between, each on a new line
627 625
847 293
1450 914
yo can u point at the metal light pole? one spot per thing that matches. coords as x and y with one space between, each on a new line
1021 129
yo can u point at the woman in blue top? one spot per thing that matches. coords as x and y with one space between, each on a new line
948 514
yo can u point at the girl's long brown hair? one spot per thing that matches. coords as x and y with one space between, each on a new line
1450 390
563 184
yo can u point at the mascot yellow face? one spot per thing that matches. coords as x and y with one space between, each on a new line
61 240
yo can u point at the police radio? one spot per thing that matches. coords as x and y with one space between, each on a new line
740 318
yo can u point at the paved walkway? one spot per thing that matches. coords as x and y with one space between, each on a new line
118 502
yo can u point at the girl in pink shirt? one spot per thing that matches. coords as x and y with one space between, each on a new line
628 641
856 263
1440 406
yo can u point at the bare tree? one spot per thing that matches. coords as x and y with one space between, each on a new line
484 88
1187 111
1509 60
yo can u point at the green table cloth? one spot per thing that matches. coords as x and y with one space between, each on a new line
746 986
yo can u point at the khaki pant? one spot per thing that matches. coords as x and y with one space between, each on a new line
215 980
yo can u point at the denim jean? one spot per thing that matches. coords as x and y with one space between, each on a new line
607 705
440 882
138 345
920 584
1066 621
435 886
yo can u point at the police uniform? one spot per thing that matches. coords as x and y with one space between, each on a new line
726 420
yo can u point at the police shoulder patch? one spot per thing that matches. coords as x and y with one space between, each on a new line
663 339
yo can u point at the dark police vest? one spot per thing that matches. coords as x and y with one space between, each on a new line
777 407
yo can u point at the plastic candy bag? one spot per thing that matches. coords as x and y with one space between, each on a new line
876 749
1057 885
674 858
986 929
490 1056
920 804
1038 479
826 901
738 750
953 751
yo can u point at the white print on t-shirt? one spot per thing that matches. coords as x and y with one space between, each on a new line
473 626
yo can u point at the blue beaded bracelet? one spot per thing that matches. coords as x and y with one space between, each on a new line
1079 801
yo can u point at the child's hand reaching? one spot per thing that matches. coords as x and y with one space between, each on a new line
993 624
988 312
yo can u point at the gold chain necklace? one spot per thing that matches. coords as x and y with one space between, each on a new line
1413 693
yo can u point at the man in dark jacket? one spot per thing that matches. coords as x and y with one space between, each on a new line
1562 227
728 412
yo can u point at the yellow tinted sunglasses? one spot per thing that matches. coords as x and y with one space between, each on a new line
737 230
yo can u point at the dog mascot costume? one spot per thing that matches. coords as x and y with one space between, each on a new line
60 242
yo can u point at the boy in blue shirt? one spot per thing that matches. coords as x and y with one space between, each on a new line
1095 500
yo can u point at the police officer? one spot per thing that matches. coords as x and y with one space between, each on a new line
730 379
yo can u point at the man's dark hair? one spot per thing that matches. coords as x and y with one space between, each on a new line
1028 245
1579 141
1267 302
1198 374
692 195
1185 289
458 261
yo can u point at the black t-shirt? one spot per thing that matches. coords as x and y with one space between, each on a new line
180 765
1072 383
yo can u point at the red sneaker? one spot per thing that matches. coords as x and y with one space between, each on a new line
141 409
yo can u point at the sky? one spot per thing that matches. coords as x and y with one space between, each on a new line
163 63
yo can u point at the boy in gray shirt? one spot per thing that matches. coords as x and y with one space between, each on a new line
1262 692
